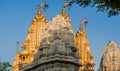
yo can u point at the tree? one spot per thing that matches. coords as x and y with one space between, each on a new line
112 7
5 66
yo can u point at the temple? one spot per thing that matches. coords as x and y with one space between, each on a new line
57 51
53 46
86 57
110 60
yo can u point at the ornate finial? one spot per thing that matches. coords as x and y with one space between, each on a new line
65 15
81 28
39 12
63 11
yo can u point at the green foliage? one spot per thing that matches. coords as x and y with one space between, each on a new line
83 3
5 66
112 7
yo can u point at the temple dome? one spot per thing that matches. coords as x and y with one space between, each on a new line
58 27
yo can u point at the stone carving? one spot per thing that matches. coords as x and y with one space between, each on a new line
110 60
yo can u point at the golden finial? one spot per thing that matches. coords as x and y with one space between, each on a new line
63 11
65 15
81 28
39 12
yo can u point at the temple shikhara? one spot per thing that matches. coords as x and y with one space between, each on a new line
31 43
110 60
54 46
82 45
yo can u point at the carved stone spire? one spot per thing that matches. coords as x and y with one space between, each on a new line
82 44
110 60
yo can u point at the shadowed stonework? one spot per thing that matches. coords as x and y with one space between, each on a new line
110 60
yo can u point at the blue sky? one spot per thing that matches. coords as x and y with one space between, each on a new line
16 17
